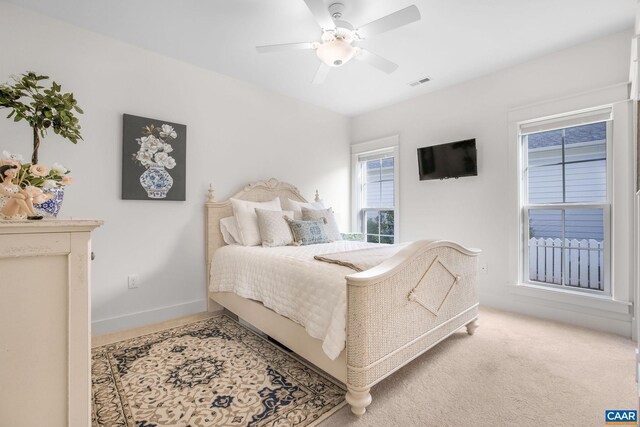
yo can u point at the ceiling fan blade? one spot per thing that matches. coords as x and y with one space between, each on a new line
286 46
321 74
376 61
395 20
321 13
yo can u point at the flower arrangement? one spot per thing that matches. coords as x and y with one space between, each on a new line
36 178
154 147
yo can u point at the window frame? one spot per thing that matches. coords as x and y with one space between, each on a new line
569 120
380 148
609 313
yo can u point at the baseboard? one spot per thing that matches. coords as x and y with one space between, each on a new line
147 317
532 308
560 313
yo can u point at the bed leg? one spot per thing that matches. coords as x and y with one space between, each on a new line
359 400
472 326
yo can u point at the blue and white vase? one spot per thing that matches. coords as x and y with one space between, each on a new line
51 207
156 181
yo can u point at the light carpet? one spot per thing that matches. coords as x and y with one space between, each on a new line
515 371
213 372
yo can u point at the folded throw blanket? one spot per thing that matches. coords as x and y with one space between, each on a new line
362 259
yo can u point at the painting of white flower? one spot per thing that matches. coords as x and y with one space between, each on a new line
154 150
167 131
158 151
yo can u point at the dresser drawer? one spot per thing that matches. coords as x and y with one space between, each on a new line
12 245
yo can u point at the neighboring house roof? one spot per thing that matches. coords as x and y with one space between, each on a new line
584 133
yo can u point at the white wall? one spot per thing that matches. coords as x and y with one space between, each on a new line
479 211
236 133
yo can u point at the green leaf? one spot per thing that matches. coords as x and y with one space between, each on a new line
29 99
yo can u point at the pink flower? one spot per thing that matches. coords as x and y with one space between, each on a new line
66 180
38 170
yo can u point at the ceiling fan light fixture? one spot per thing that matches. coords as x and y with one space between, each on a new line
335 48
336 52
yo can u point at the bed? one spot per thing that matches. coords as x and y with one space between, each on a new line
392 312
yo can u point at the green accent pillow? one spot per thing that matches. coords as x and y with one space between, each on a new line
308 232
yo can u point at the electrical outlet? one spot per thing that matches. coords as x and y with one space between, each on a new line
133 280
484 269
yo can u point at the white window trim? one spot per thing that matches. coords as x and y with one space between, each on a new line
621 296
388 144
564 121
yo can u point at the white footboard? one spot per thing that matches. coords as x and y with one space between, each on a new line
401 308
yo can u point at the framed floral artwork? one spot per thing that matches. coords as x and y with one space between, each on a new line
153 159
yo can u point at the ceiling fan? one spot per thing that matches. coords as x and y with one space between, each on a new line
338 42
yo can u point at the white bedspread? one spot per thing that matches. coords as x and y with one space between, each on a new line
289 281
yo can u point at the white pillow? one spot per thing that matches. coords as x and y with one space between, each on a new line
296 207
229 230
274 228
330 226
247 221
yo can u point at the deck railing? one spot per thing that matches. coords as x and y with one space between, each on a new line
581 261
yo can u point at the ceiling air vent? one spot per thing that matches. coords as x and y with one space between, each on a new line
419 82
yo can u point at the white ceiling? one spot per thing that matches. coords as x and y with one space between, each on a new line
456 40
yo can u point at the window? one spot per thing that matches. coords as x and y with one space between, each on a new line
565 201
375 194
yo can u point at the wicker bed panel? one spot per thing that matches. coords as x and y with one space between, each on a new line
383 319
366 378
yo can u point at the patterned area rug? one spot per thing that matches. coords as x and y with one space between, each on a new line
214 372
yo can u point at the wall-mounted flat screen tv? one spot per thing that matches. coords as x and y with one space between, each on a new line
452 160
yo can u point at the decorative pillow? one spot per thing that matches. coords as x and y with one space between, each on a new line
247 220
333 233
296 207
229 230
274 228
308 232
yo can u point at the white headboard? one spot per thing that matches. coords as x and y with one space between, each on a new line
259 191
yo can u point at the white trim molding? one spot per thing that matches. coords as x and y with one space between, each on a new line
146 317
375 144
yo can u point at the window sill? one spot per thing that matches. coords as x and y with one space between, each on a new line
567 296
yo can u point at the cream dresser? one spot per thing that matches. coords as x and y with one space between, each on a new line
45 322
